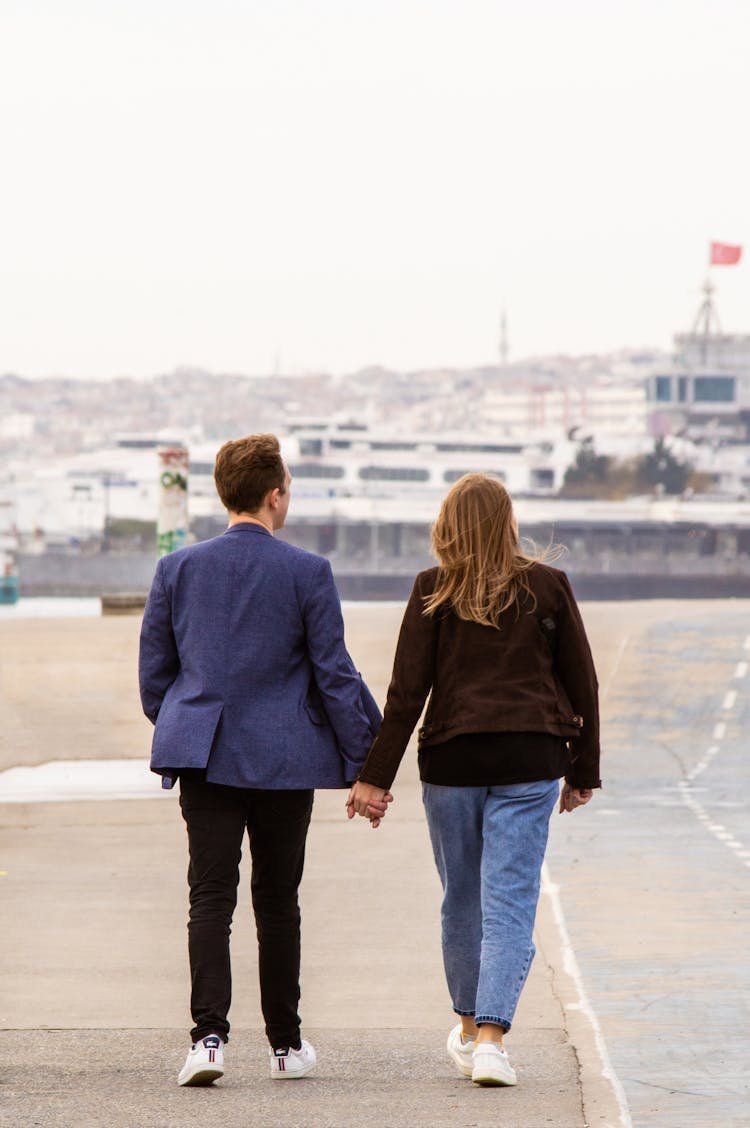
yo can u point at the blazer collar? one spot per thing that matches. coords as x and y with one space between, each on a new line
247 527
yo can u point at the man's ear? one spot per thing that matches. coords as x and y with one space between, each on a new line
272 498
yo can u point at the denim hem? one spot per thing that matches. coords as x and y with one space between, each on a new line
480 1018
464 1014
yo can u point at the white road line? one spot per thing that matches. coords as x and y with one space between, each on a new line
685 786
570 965
703 763
720 833
68 780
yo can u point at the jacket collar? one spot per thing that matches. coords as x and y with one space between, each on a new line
247 527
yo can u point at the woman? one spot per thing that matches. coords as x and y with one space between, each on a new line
496 639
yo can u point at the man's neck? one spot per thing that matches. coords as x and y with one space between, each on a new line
259 518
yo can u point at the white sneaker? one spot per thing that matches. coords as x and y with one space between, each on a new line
292 1063
492 1065
204 1063
461 1049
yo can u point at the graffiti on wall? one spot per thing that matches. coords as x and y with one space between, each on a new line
172 520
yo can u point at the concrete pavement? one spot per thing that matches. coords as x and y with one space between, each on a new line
93 969
94 997
656 883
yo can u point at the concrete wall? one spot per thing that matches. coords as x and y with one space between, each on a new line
629 578
58 574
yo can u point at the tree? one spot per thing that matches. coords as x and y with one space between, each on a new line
587 477
660 468
595 475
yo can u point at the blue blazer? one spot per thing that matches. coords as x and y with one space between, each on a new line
243 667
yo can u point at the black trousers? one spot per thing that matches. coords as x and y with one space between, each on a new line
276 822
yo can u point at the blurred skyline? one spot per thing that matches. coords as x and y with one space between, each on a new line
255 187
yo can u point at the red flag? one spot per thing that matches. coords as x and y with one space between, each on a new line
725 254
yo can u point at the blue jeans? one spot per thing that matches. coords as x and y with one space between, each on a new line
489 845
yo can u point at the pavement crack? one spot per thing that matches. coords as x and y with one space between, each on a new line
682 766
666 1088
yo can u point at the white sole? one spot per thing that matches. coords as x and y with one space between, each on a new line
203 1076
487 1080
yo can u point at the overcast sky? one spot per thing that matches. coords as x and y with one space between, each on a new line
250 185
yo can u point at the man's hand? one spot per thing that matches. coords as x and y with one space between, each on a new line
572 797
369 801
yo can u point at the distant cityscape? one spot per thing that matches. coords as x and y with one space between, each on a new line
71 416
372 452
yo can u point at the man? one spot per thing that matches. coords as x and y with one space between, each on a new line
256 702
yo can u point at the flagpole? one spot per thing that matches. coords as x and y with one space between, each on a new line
706 314
719 254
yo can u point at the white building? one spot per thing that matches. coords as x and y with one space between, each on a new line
616 409
705 393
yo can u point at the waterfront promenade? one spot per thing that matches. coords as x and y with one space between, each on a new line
634 1004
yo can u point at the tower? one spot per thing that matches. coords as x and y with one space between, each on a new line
706 317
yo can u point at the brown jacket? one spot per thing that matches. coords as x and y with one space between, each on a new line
534 673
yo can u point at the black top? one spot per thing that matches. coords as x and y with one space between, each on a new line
480 759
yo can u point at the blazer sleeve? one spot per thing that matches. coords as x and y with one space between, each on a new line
158 659
574 666
411 682
349 705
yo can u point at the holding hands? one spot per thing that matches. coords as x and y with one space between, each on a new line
369 801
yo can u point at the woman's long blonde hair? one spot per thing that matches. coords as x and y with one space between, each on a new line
482 570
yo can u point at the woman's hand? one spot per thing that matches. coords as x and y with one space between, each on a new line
369 801
572 797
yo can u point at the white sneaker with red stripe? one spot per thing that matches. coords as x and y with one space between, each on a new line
291 1063
204 1063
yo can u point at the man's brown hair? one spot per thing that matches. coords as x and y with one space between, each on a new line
246 470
